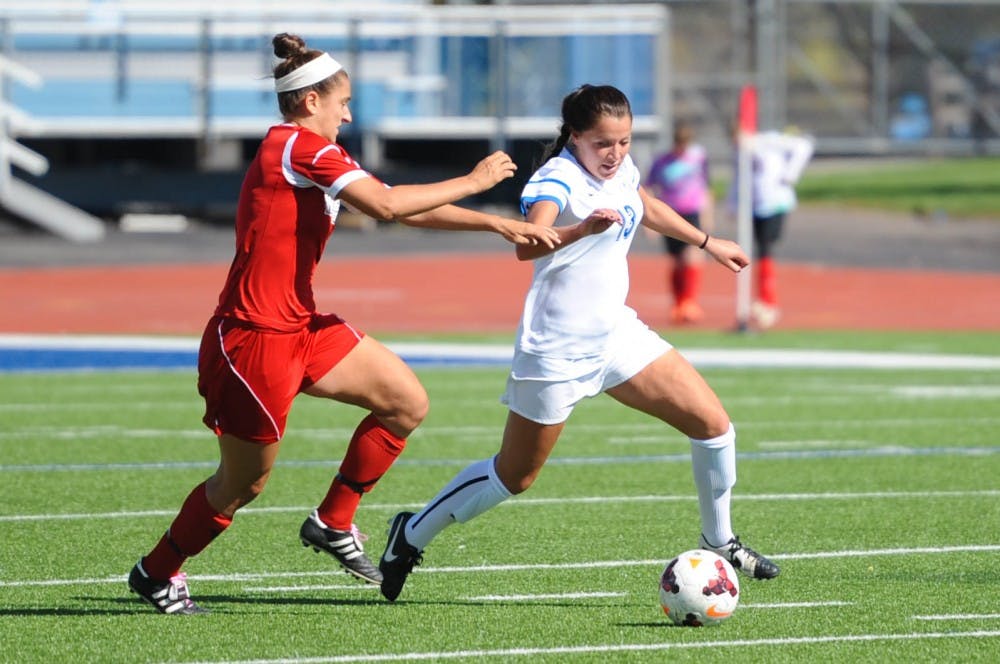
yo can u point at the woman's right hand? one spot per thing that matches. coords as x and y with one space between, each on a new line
599 221
492 170
522 232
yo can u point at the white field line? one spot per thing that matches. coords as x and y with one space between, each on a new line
961 616
618 430
621 648
885 450
542 596
590 595
522 567
889 394
815 444
794 605
501 353
300 589
527 502
193 404
539 596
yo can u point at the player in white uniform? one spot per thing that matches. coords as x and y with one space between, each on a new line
778 162
577 338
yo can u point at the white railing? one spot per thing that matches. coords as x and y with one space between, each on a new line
12 120
422 68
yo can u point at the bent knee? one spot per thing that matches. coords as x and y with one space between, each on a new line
521 486
408 412
718 427
227 497
253 490
515 482
716 430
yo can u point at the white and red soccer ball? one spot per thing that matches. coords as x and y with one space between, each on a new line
699 588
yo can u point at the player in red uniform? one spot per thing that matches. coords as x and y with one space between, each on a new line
266 342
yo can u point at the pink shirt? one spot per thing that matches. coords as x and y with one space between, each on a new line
681 179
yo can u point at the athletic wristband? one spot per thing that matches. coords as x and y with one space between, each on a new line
704 242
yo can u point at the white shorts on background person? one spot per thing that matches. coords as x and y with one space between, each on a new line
545 389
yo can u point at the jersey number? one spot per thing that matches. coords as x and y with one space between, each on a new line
628 222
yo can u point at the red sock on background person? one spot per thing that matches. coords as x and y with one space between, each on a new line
677 282
692 283
767 281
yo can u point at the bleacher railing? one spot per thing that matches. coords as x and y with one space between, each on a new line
13 121
193 69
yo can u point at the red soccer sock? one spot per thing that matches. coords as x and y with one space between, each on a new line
372 451
194 527
767 281
692 283
677 282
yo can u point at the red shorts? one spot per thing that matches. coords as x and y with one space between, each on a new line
249 377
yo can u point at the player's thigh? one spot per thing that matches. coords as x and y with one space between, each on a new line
670 389
373 377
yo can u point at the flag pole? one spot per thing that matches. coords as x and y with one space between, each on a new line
746 129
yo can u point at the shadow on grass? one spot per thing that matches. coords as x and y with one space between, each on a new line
222 604
212 603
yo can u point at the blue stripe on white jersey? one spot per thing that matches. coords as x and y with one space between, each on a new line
542 188
526 203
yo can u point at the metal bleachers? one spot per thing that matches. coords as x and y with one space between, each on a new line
183 70
152 68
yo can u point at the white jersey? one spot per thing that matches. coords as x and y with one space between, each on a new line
778 162
577 293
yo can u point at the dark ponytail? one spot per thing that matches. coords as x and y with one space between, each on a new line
582 109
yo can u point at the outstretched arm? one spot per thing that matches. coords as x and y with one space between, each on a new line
543 215
371 197
455 218
664 220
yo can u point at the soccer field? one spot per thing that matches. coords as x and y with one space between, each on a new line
875 489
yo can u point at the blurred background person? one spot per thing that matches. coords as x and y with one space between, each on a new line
777 162
679 178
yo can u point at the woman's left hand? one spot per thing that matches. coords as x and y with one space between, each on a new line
728 253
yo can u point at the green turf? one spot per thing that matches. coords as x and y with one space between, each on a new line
876 491
961 343
963 187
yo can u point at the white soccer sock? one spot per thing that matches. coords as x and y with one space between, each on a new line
713 463
473 491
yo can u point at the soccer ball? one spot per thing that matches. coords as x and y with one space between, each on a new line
699 588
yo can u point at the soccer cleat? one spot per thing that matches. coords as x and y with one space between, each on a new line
343 545
686 312
166 596
398 559
743 558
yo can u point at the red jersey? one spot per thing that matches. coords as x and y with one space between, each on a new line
287 210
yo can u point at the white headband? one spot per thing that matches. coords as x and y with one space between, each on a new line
312 72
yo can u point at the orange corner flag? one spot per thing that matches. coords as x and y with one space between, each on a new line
748 110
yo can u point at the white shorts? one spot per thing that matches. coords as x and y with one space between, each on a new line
546 389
